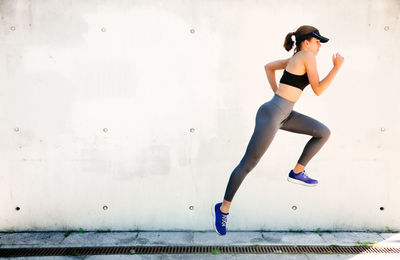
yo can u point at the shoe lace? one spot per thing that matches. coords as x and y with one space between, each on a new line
305 175
224 220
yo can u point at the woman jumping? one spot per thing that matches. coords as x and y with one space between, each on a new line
299 71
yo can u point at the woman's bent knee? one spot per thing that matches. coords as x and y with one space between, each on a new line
322 132
326 133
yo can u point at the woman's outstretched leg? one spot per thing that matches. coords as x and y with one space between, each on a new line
267 124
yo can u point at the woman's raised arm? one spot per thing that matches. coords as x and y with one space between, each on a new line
311 67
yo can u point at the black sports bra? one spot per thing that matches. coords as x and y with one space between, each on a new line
297 81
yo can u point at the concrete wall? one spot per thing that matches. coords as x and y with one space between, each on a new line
129 115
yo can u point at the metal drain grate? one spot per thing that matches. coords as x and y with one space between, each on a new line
75 251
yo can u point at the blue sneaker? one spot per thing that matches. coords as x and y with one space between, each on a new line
301 178
219 219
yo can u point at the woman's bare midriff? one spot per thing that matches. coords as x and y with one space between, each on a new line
288 92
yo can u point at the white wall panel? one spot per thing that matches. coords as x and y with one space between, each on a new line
98 99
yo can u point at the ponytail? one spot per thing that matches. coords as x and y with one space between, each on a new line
288 44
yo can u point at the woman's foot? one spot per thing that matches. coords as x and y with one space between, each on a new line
219 219
301 178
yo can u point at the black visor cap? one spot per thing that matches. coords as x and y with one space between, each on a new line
313 34
319 36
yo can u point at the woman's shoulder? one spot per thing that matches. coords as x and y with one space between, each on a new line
296 65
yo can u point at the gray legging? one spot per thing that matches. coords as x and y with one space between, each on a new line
271 116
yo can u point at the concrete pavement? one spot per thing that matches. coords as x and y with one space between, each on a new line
92 239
